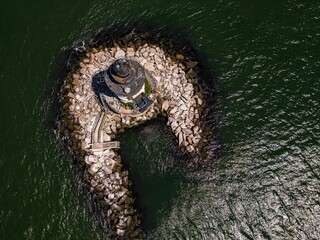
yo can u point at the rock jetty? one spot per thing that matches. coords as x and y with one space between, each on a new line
90 130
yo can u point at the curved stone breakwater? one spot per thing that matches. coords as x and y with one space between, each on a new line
85 123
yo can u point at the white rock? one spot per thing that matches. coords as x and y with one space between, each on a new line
111 196
174 125
173 110
130 54
120 232
165 105
180 139
107 170
145 54
157 58
190 148
120 53
106 137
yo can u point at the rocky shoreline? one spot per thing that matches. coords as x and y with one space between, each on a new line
85 123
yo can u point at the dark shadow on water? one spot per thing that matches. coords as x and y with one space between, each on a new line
150 154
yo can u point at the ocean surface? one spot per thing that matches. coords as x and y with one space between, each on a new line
263 179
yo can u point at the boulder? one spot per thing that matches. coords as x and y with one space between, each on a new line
99 187
122 224
195 129
111 196
191 73
174 125
106 137
93 183
173 110
107 170
180 138
179 56
119 53
160 67
191 64
190 148
130 54
120 232
157 58
165 105
177 131
145 54
115 207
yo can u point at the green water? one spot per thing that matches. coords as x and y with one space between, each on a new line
264 184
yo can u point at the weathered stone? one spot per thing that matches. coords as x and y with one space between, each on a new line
99 187
180 138
106 137
160 67
191 64
179 56
130 54
119 53
120 232
130 49
111 196
174 125
165 105
93 169
93 183
190 148
107 170
173 110
122 224
177 131
145 54
187 131
157 58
